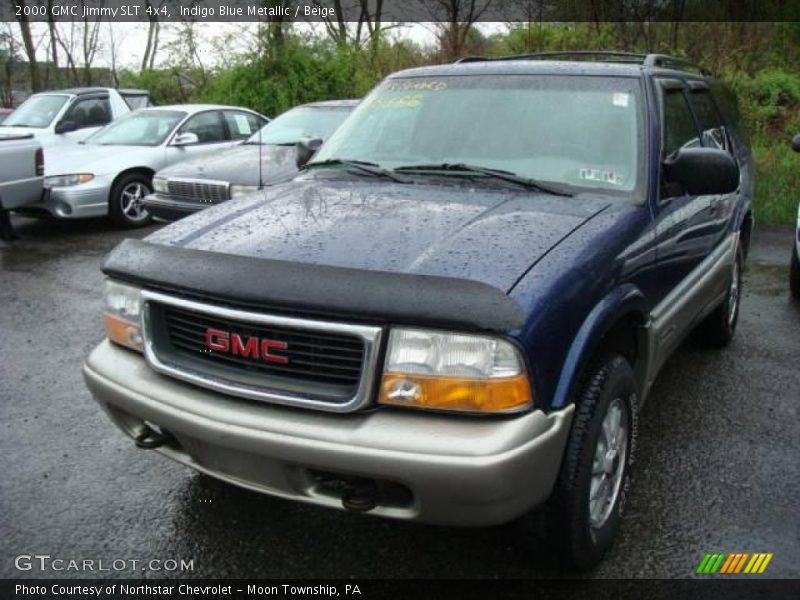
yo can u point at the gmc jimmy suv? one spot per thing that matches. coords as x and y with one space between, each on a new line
456 311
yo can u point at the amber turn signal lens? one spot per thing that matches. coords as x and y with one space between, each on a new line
455 393
123 332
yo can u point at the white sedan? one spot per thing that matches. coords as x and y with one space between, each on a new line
112 171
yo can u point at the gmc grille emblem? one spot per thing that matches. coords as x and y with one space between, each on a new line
246 346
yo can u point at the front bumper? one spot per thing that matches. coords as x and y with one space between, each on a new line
75 202
429 467
165 208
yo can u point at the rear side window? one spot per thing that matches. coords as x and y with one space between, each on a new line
679 127
711 123
241 124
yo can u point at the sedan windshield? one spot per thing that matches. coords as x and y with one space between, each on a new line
302 122
576 131
141 128
37 111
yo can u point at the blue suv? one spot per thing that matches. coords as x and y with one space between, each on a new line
456 311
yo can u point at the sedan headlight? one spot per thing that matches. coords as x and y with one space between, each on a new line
160 185
241 190
123 315
68 180
453 371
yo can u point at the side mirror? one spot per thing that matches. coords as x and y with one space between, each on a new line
306 148
65 126
702 171
796 143
185 139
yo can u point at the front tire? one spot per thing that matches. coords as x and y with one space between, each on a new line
590 492
125 203
794 275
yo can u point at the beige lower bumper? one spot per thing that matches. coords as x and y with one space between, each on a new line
450 469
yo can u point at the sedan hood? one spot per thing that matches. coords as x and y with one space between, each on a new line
239 165
487 234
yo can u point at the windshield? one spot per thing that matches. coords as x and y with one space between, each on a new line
302 122
37 111
143 128
573 130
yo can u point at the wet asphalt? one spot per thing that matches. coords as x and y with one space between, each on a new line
717 466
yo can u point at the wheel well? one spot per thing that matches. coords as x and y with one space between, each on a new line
626 337
620 338
143 170
745 233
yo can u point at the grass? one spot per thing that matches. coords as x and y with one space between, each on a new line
777 182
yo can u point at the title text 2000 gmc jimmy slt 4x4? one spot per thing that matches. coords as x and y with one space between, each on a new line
454 313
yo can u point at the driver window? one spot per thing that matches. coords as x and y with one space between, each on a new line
680 130
207 126
89 112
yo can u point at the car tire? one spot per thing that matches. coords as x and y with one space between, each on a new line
717 328
794 275
125 203
584 516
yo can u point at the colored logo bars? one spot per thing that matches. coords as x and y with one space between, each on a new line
741 562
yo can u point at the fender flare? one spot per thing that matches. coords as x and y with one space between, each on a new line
623 300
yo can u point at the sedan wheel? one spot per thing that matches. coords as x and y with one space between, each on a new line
131 200
126 206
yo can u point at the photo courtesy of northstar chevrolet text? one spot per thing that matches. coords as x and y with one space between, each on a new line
341 297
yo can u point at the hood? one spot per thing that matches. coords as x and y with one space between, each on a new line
100 160
239 165
482 233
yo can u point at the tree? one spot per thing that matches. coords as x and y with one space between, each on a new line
91 42
51 27
153 31
454 20
8 56
30 47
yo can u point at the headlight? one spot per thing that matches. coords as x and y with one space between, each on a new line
160 185
123 315
240 190
67 180
450 371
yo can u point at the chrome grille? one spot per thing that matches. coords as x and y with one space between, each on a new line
199 190
328 365
328 358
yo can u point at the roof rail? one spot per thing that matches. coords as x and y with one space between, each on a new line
672 62
648 60
610 55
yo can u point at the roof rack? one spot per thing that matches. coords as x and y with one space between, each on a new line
613 56
672 62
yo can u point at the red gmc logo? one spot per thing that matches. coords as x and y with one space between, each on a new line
249 347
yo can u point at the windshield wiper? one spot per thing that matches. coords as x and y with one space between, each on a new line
358 165
488 172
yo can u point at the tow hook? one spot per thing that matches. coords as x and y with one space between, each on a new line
360 495
150 438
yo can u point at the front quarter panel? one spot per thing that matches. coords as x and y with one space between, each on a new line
600 272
